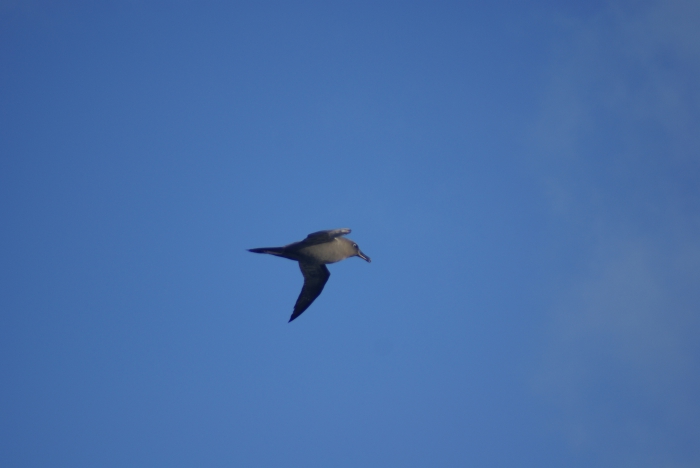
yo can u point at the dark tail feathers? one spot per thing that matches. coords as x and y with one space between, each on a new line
268 250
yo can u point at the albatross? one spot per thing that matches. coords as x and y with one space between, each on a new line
313 254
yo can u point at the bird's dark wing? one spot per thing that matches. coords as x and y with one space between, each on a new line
315 277
321 237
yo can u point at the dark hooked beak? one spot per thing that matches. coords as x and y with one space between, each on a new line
363 256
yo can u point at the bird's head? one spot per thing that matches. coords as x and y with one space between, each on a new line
358 253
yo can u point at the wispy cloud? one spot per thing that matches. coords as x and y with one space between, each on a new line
619 137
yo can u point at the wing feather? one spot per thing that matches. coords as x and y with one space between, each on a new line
321 237
315 277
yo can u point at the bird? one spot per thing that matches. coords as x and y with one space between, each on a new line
313 254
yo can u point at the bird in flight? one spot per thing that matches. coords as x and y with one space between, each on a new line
313 253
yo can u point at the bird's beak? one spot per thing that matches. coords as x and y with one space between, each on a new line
363 256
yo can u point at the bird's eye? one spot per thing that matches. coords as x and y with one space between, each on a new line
354 245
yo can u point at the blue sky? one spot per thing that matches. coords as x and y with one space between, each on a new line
523 177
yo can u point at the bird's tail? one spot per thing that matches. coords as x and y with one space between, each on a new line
279 251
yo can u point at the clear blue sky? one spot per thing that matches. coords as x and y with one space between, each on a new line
524 177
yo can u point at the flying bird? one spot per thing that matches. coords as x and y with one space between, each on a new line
313 253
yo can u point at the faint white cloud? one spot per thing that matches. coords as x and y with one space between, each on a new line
623 98
619 137
622 359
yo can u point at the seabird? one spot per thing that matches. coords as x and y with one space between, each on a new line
313 253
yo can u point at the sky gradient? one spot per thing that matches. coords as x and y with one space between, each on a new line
524 178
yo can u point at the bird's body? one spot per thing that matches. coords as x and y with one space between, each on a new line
313 253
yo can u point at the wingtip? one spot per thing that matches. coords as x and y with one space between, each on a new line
295 315
340 231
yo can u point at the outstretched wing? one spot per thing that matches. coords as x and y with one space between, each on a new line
315 277
321 237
